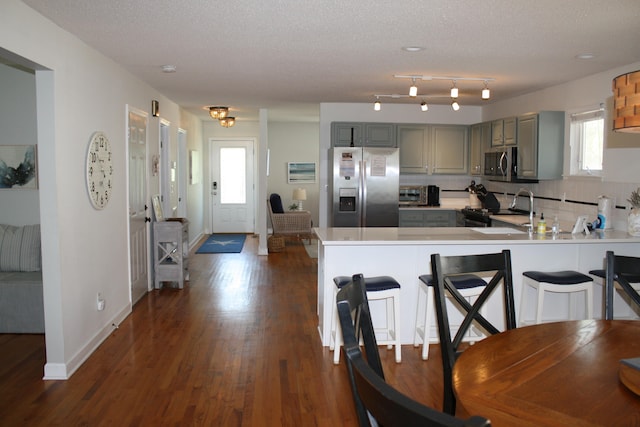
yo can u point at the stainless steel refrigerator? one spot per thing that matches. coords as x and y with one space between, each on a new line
365 187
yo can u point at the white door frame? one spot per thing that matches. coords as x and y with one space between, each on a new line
183 160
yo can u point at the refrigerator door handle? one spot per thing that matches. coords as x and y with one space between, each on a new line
363 193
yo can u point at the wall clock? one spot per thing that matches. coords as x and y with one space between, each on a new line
99 170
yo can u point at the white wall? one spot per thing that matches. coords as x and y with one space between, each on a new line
18 127
85 251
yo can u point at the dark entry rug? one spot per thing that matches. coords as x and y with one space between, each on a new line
222 243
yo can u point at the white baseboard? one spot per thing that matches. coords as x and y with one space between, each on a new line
63 371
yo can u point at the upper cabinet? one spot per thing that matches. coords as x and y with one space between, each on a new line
433 149
479 143
541 145
503 132
363 134
450 145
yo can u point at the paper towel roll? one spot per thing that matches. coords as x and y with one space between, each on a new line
605 209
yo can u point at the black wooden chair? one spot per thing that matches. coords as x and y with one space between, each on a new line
497 265
376 402
620 270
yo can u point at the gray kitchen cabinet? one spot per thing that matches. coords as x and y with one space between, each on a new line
413 144
433 149
479 143
427 218
503 132
450 149
541 145
364 134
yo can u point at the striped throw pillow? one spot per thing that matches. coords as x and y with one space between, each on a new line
20 248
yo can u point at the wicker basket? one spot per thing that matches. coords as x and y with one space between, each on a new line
275 244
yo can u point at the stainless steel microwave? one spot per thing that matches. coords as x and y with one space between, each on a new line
502 165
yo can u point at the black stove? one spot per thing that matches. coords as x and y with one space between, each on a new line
476 217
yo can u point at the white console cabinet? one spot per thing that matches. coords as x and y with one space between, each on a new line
171 250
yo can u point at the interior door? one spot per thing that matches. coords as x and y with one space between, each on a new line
138 205
232 186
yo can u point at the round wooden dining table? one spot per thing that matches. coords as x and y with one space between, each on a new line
552 374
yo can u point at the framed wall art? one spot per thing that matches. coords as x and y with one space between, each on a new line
18 167
301 173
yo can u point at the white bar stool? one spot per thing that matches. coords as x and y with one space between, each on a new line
469 285
378 288
565 282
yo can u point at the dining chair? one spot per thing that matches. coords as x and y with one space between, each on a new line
621 270
443 268
376 401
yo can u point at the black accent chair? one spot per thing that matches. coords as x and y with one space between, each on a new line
373 397
622 270
443 268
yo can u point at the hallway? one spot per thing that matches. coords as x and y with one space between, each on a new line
238 346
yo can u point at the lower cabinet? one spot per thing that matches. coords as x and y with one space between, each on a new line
427 218
171 250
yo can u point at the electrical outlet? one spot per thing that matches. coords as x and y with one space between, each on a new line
100 302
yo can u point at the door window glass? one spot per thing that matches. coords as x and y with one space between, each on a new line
233 186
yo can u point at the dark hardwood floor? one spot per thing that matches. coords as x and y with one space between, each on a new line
238 346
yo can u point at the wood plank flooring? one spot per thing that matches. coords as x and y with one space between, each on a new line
238 346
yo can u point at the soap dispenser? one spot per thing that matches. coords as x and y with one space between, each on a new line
542 225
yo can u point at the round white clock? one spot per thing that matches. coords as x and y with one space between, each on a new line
99 170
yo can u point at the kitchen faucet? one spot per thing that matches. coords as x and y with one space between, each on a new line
515 199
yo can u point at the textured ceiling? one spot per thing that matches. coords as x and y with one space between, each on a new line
290 55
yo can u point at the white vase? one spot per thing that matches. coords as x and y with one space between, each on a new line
633 227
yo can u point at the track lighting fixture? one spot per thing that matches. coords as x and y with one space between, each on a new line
376 105
424 106
486 93
413 90
455 105
454 90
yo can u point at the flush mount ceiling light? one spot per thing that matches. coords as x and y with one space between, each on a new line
412 48
218 112
168 68
227 122
626 102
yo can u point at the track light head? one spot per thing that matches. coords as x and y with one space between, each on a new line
455 105
454 90
413 90
486 93
377 106
424 106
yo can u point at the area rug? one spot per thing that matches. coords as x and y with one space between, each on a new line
222 244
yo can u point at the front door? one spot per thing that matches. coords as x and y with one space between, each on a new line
138 204
232 187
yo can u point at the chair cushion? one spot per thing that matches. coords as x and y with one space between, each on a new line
276 203
460 281
568 277
378 283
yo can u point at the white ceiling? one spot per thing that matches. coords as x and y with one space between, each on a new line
290 55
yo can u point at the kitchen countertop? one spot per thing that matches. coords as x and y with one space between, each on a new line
458 235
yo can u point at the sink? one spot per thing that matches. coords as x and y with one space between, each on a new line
497 230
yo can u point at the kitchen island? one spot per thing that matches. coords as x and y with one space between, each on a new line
404 253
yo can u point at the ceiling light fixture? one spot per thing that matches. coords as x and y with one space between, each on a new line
413 90
218 112
168 68
454 90
424 106
376 105
626 102
227 122
455 105
486 93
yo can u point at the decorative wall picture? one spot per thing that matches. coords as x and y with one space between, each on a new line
301 173
18 167
194 167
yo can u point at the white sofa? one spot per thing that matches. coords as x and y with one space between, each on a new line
21 301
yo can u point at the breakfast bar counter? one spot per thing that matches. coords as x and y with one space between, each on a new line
404 253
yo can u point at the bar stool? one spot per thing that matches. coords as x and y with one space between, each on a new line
469 285
566 282
378 288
